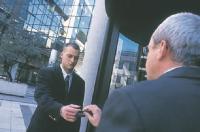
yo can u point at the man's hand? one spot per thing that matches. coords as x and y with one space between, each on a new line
93 113
69 112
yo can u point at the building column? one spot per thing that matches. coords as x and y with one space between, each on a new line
93 49
53 57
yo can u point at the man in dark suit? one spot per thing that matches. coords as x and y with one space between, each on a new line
59 99
169 100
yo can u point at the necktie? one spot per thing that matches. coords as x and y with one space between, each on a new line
67 84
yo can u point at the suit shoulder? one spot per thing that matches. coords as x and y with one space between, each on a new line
78 77
48 70
140 86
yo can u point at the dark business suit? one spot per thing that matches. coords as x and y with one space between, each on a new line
51 95
168 104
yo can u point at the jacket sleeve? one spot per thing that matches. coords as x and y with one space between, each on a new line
43 97
120 115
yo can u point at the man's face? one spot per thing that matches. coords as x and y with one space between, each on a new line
152 62
69 58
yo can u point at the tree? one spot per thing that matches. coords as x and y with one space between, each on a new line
19 46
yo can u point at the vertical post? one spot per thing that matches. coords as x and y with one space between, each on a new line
93 50
53 57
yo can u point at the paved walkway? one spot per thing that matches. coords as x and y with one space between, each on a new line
16 112
15 116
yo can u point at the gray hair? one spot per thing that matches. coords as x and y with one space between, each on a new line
181 31
73 44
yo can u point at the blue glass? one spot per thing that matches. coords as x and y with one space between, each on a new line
124 68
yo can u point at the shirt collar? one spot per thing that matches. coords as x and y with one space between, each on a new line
170 69
64 72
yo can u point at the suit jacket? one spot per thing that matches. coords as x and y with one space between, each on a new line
50 95
168 104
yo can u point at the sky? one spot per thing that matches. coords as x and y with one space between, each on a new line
129 45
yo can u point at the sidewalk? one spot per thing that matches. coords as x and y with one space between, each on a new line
16 112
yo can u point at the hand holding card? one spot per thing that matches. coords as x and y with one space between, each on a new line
93 113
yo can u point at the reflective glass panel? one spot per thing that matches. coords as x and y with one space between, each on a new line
124 68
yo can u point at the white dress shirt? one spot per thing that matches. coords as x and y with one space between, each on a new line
65 74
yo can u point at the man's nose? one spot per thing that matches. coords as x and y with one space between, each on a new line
73 59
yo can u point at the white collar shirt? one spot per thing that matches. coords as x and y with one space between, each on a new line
65 74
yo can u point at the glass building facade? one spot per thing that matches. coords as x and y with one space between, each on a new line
125 64
34 27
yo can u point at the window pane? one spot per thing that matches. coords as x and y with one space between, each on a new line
124 68
85 22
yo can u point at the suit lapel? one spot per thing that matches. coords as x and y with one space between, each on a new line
59 76
59 73
73 83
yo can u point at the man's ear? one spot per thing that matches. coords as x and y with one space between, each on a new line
163 49
61 54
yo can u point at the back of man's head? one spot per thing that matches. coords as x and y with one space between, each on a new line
181 31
